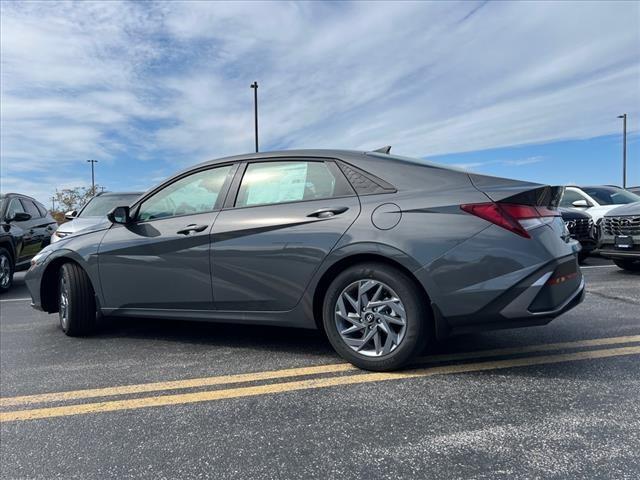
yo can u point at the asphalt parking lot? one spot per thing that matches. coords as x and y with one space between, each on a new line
188 400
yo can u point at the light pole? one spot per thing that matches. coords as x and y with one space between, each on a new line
624 149
93 177
254 85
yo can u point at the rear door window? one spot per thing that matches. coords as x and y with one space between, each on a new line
268 183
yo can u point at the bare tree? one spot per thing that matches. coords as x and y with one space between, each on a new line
73 198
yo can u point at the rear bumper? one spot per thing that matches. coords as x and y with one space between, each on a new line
536 300
608 251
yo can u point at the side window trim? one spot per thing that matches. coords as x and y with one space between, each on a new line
224 191
332 166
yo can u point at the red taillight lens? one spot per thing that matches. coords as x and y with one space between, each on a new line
509 216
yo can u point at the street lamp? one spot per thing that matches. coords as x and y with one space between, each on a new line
254 85
624 149
93 177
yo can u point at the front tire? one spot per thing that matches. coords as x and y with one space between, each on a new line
375 317
6 270
630 265
76 301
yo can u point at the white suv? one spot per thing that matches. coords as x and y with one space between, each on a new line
598 200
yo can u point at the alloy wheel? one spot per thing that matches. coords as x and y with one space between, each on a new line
64 302
370 318
5 271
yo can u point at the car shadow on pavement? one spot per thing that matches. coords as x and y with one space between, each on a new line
291 340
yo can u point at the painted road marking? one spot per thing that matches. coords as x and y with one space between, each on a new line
15 300
252 391
294 372
600 266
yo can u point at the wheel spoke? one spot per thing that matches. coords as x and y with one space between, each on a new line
393 320
353 328
377 343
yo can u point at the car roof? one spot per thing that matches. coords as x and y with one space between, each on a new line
13 194
327 153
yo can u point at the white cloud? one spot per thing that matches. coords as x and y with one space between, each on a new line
169 82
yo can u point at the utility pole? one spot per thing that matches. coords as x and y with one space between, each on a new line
53 204
624 149
93 177
254 85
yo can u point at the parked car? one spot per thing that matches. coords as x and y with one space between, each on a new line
635 190
25 228
620 236
381 252
581 228
596 200
94 211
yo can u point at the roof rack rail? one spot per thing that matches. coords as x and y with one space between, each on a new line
386 149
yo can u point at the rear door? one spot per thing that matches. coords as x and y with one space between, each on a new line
160 260
281 220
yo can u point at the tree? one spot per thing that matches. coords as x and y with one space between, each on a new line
74 198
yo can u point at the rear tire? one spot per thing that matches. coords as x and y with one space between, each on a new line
7 269
630 265
582 257
390 301
76 301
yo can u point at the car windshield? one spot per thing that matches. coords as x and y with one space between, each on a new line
103 204
611 195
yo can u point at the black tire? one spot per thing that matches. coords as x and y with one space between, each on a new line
630 265
80 308
418 318
582 256
8 269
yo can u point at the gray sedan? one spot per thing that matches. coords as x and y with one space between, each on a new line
381 252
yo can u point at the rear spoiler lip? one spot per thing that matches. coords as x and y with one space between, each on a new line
506 190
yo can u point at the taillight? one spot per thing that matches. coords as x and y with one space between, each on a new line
515 218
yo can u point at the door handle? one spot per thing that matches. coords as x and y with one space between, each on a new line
328 212
192 228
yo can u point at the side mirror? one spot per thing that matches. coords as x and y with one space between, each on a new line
119 215
20 217
70 215
581 204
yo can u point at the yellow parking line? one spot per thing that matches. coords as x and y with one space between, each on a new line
176 384
207 396
545 347
292 372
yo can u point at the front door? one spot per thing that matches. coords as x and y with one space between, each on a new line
161 259
286 218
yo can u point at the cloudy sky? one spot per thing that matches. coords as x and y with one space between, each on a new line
525 90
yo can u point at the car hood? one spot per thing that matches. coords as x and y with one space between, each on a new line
84 225
81 223
600 211
624 210
572 213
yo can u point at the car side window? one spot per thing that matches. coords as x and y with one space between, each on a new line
267 183
30 208
15 206
569 197
195 193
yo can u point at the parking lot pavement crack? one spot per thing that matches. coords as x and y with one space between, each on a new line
609 296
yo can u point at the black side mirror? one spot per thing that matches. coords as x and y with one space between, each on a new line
119 215
20 217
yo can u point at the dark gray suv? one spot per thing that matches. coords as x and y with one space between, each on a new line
380 252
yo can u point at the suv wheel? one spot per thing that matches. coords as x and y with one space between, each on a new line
76 301
6 270
374 317
630 265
